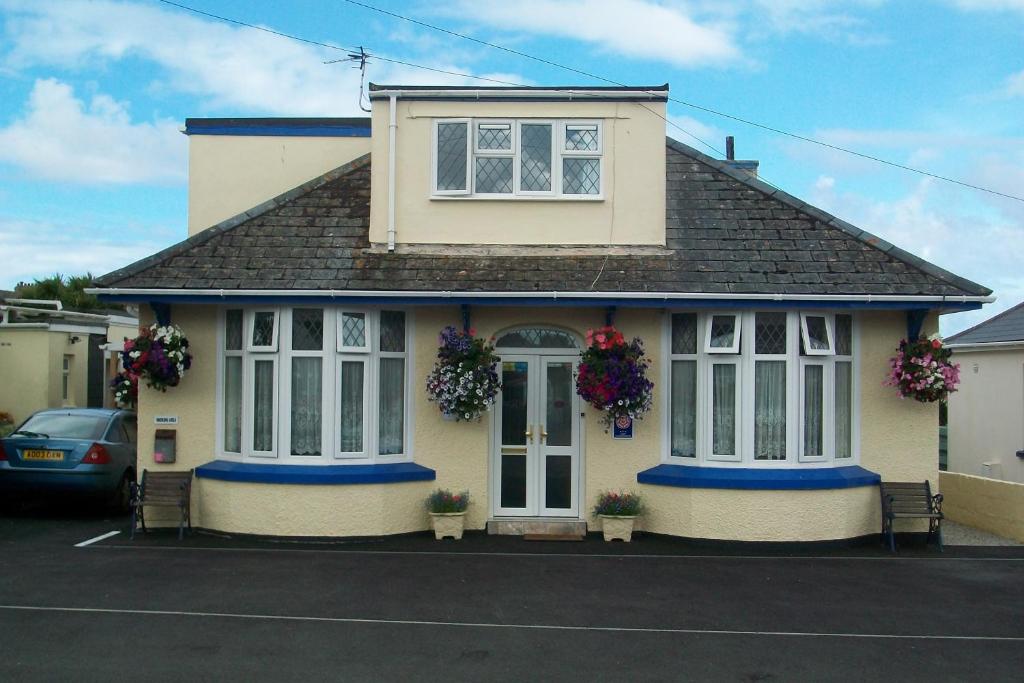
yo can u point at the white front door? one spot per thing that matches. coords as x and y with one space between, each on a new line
536 462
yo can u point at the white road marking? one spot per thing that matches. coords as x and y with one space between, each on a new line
97 539
647 556
534 627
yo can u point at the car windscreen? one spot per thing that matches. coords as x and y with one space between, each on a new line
64 426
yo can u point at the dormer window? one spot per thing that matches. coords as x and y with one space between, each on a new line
517 159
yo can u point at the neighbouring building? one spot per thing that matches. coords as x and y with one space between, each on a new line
325 256
986 414
51 357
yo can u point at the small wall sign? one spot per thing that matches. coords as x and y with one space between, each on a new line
165 419
622 428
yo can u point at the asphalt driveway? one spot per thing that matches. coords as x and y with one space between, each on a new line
491 608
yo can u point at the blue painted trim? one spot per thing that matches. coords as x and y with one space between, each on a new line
162 311
323 475
283 131
559 302
688 476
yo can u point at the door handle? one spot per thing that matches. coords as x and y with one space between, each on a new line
529 435
543 433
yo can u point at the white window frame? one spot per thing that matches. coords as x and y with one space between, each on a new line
827 399
331 386
558 154
667 382
470 132
709 445
65 376
807 337
251 325
745 358
737 330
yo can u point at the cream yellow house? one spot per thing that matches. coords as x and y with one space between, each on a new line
325 255
51 357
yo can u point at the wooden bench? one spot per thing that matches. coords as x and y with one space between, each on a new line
910 500
163 489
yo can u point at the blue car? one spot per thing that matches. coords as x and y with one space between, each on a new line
88 452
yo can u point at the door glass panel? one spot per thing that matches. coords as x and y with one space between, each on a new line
513 480
558 481
514 378
559 408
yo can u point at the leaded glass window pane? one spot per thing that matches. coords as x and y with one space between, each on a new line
308 329
537 338
535 168
494 136
723 331
392 331
581 138
353 330
684 333
844 335
451 155
581 176
494 175
233 330
263 328
770 333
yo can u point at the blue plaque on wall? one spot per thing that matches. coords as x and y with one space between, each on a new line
622 427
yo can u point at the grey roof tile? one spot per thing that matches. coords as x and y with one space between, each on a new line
725 232
1007 326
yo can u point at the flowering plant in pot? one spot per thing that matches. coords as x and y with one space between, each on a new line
617 510
464 380
158 355
612 375
922 370
447 511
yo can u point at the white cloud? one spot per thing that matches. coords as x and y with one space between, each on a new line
62 138
832 20
639 29
1014 85
990 5
34 249
230 67
690 128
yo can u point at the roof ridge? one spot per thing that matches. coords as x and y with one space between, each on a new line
230 223
983 323
822 216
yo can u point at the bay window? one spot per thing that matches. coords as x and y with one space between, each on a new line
762 388
313 385
517 158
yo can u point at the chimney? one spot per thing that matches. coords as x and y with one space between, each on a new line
747 166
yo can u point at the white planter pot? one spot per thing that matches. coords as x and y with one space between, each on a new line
448 524
615 527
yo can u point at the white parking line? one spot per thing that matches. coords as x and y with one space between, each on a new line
97 539
645 556
534 627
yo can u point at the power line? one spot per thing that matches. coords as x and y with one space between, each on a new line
693 105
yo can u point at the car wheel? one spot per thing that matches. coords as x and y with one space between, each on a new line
121 501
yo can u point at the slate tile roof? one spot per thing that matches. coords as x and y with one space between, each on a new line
1007 326
726 233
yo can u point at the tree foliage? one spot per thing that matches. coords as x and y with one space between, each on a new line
68 289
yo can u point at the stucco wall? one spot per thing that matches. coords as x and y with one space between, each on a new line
989 504
632 211
229 174
24 371
60 346
898 440
986 415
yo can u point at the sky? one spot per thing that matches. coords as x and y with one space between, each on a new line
93 166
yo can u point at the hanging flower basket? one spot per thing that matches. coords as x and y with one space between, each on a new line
158 355
464 381
612 376
125 386
921 370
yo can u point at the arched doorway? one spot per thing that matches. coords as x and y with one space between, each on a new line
536 455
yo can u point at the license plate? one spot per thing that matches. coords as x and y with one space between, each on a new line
42 455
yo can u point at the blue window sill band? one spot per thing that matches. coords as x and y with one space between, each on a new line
762 479
321 475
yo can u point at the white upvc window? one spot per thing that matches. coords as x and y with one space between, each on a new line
750 395
334 389
517 158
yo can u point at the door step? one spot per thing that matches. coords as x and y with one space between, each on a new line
552 537
537 527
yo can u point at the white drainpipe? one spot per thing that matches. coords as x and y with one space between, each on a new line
392 127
